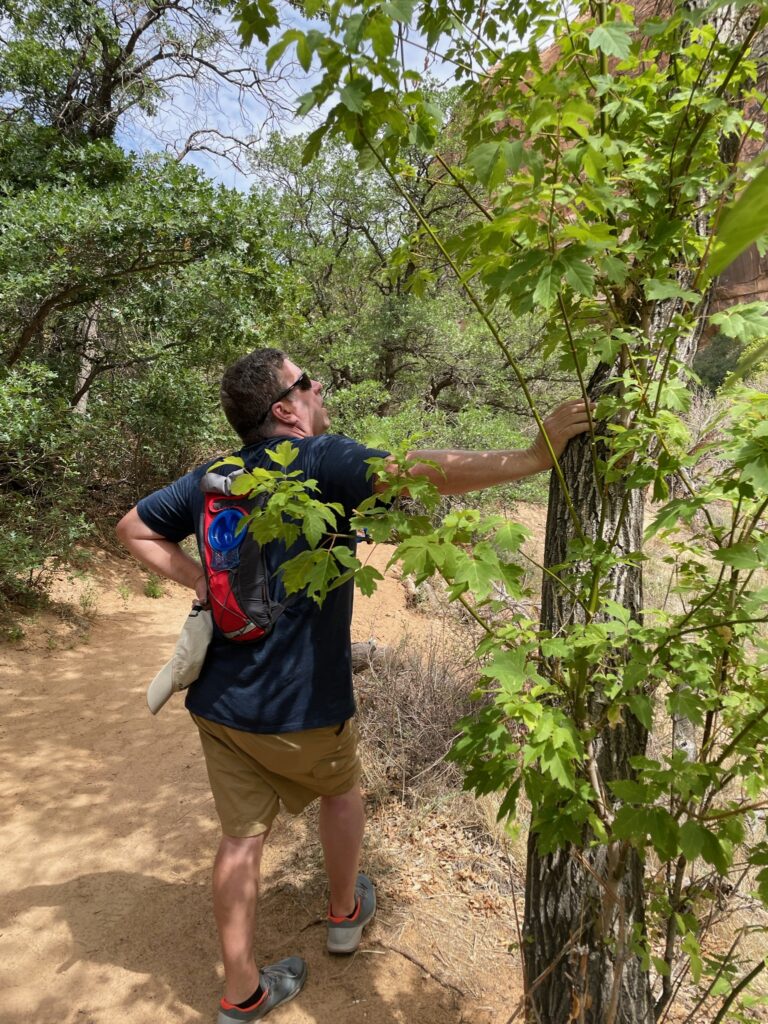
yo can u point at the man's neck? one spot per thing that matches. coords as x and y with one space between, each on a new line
290 432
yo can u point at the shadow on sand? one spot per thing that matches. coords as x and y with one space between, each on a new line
163 933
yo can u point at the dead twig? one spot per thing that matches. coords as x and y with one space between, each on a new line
427 970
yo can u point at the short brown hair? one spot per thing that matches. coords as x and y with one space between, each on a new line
248 388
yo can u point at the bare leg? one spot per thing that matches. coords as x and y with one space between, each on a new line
342 822
235 892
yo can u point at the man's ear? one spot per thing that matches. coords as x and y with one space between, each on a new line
283 414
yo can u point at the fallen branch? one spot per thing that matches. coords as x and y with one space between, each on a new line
427 970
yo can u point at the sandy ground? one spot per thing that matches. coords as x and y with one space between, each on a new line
108 833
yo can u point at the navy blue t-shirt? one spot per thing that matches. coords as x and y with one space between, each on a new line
300 676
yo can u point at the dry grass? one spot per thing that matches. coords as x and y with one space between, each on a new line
409 701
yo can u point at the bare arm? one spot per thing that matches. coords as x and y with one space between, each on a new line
160 555
458 471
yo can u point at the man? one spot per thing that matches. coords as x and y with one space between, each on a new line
275 716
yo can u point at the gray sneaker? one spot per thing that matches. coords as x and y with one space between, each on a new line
282 981
344 933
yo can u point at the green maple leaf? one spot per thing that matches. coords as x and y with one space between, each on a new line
614 38
367 578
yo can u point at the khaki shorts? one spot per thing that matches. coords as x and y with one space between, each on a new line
251 774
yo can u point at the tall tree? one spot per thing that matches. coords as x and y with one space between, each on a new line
112 267
78 68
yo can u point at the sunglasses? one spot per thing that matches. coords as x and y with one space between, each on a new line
304 383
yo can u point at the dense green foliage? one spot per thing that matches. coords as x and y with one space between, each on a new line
127 283
715 362
390 332
126 298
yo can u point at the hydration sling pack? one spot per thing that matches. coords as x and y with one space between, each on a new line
235 566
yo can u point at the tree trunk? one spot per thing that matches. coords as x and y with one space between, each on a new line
584 906
89 337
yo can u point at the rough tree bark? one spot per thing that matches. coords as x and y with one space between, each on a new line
584 906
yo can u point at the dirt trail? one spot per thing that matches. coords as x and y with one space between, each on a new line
109 830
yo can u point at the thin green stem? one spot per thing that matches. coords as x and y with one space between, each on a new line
606 291
464 189
556 578
576 55
717 625
461 18
582 382
735 520
603 69
733 811
450 60
753 522
684 113
736 990
478 618
748 726
660 381
708 992
680 472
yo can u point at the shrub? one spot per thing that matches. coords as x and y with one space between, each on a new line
475 427
352 405
716 360
408 703
153 586
42 481
153 426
